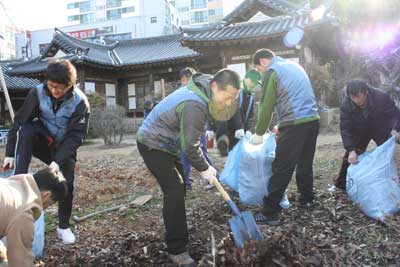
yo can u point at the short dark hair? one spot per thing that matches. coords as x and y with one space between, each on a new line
354 87
61 71
49 180
262 53
188 72
226 77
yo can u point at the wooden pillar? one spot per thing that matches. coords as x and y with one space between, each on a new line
2 107
151 81
223 58
122 93
81 79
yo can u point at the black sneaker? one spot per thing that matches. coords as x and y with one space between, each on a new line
272 219
223 145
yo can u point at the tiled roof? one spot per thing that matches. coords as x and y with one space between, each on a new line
35 66
122 54
272 8
151 50
17 83
262 29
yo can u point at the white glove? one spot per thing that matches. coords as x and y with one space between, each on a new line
256 139
239 133
209 173
353 157
54 166
209 135
8 163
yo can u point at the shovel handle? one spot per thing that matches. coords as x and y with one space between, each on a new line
226 197
219 187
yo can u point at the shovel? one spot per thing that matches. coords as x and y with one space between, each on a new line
243 225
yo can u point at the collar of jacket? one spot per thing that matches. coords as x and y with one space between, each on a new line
203 93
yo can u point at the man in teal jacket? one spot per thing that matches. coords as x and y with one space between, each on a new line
287 88
175 125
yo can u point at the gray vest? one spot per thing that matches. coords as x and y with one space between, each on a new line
160 130
57 122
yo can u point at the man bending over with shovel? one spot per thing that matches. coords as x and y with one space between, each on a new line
51 125
287 88
175 125
22 199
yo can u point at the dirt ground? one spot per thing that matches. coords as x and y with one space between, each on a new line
333 233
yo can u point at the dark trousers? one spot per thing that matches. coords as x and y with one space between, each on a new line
295 149
33 141
361 146
168 171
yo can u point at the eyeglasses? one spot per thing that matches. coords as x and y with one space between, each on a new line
59 87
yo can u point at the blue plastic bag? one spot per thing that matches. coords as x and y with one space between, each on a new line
38 238
255 170
230 174
373 183
248 169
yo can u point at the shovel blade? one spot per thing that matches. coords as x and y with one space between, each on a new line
239 231
254 231
244 229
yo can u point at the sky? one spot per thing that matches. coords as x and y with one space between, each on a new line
44 14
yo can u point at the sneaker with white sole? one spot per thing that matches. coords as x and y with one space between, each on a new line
182 260
66 236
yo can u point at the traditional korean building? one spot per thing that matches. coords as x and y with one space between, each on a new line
128 71
17 87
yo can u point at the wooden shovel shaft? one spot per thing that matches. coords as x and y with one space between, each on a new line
226 197
219 187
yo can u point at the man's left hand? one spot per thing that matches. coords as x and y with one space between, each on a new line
397 134
239 133
256 139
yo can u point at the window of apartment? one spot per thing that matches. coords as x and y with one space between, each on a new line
153 20
185 22
199 17
113 3
211 12
196 4
87 18
111 99
130 9
113 14
73 18
183 9
73 5
86 6
212 0
131 96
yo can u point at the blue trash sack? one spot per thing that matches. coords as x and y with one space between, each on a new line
373 183
230 174
38 238
249 168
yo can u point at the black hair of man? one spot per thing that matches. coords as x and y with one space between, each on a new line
226 77
262 53
61 71
48 180
354 87
188 72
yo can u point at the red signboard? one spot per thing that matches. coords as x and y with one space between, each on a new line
83 33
